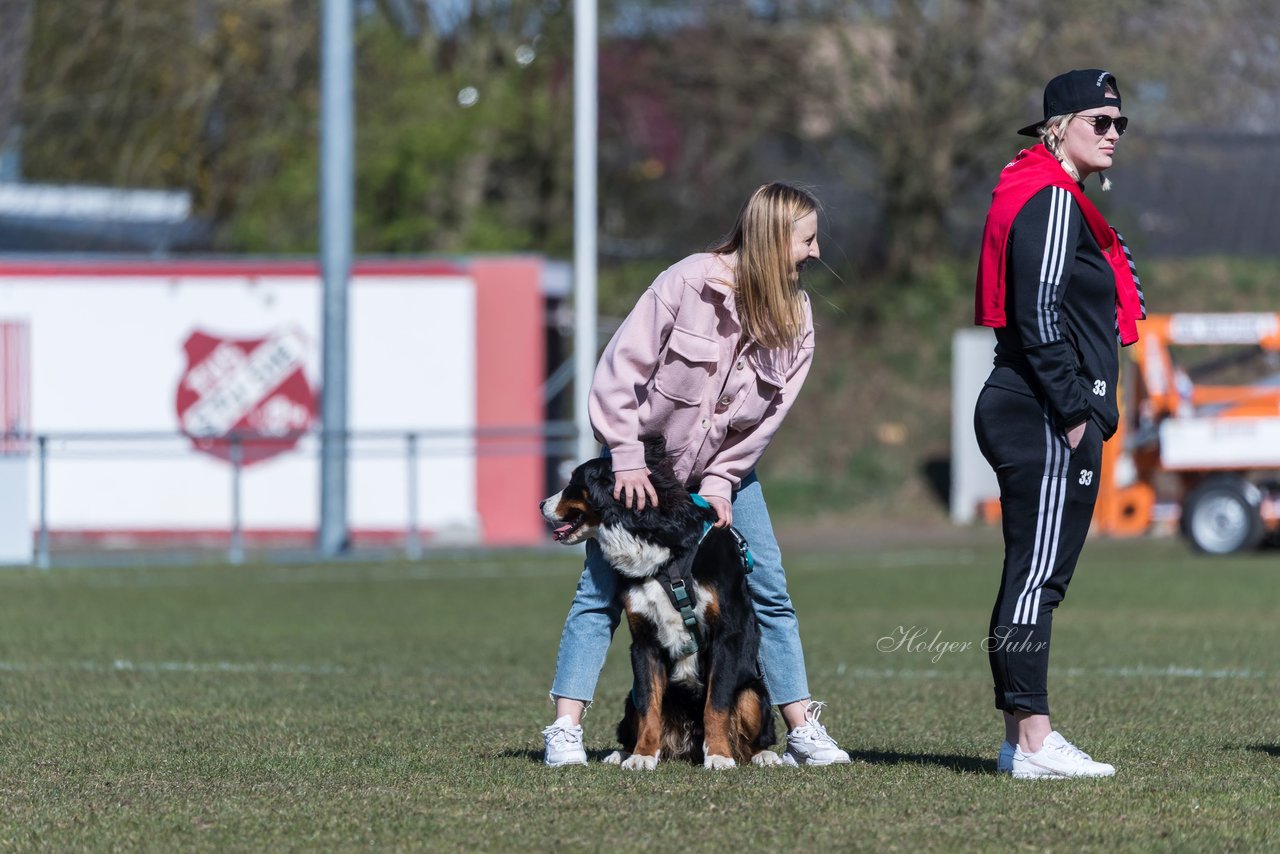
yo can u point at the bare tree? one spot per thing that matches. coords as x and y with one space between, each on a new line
928 89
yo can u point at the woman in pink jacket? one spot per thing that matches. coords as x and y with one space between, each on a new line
711 359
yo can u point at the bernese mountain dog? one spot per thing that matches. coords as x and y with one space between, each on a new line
697 692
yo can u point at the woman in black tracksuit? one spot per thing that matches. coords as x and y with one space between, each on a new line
1050 401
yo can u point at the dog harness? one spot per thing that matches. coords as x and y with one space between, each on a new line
677 578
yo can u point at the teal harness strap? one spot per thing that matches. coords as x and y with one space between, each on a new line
705 505
679 587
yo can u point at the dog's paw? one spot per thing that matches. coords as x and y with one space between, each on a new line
639 762
766 759
615 758
715 762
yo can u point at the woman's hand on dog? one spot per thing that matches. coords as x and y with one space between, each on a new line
724 510
633 487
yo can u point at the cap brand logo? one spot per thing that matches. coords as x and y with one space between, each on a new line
1103 76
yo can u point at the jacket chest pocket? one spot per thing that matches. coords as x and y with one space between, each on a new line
688 364
758 396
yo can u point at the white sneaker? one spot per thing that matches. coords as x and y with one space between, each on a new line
1057 759
1004 762
810 745
564 744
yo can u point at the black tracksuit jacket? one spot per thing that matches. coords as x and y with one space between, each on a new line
1060 341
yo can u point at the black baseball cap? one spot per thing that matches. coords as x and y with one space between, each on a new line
1082 89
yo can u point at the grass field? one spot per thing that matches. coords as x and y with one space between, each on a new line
398 706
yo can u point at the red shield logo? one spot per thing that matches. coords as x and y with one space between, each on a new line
254 388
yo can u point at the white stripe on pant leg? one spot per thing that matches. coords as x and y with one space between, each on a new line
1038 542
1053 555
1047 572
1035 549
1048 525
1052 511
1046 567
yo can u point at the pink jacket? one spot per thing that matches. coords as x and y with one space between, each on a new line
673 369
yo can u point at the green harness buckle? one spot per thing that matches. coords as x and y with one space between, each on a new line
690 619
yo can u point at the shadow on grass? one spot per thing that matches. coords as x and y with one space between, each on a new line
1269 749
959 764
535 756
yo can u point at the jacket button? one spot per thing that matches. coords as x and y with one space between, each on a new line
726 400
740 364
706 423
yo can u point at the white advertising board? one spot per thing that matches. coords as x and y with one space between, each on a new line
134 353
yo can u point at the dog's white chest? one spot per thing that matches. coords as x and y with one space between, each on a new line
630 555
650 601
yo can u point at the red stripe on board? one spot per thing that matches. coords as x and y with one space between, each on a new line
15 382
223 268
510 367
217 537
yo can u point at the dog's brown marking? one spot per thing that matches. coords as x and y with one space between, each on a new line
712 612
746 725
715 727
634 620
650 725
568 507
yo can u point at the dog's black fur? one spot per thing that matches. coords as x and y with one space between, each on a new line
710 706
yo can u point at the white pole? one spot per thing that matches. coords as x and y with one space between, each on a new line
585 123
337 192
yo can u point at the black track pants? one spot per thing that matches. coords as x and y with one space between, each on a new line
1047 493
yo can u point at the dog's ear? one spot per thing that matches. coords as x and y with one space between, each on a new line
598 480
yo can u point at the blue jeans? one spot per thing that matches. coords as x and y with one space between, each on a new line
597 608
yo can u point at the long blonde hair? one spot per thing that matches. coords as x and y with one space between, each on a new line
770 304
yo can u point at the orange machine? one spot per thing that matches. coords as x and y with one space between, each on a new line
1199 444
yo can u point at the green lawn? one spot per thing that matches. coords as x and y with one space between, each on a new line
399 706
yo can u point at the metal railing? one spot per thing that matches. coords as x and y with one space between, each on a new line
552 442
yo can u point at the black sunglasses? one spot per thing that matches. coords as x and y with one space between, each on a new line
1102 124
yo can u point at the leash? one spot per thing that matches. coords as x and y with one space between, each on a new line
745 557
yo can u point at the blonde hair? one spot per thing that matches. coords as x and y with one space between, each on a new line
770 304
1051 134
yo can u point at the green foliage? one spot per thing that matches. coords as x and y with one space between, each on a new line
436 174
894 103
151 94
112 94
1212 283
398 707
620 284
